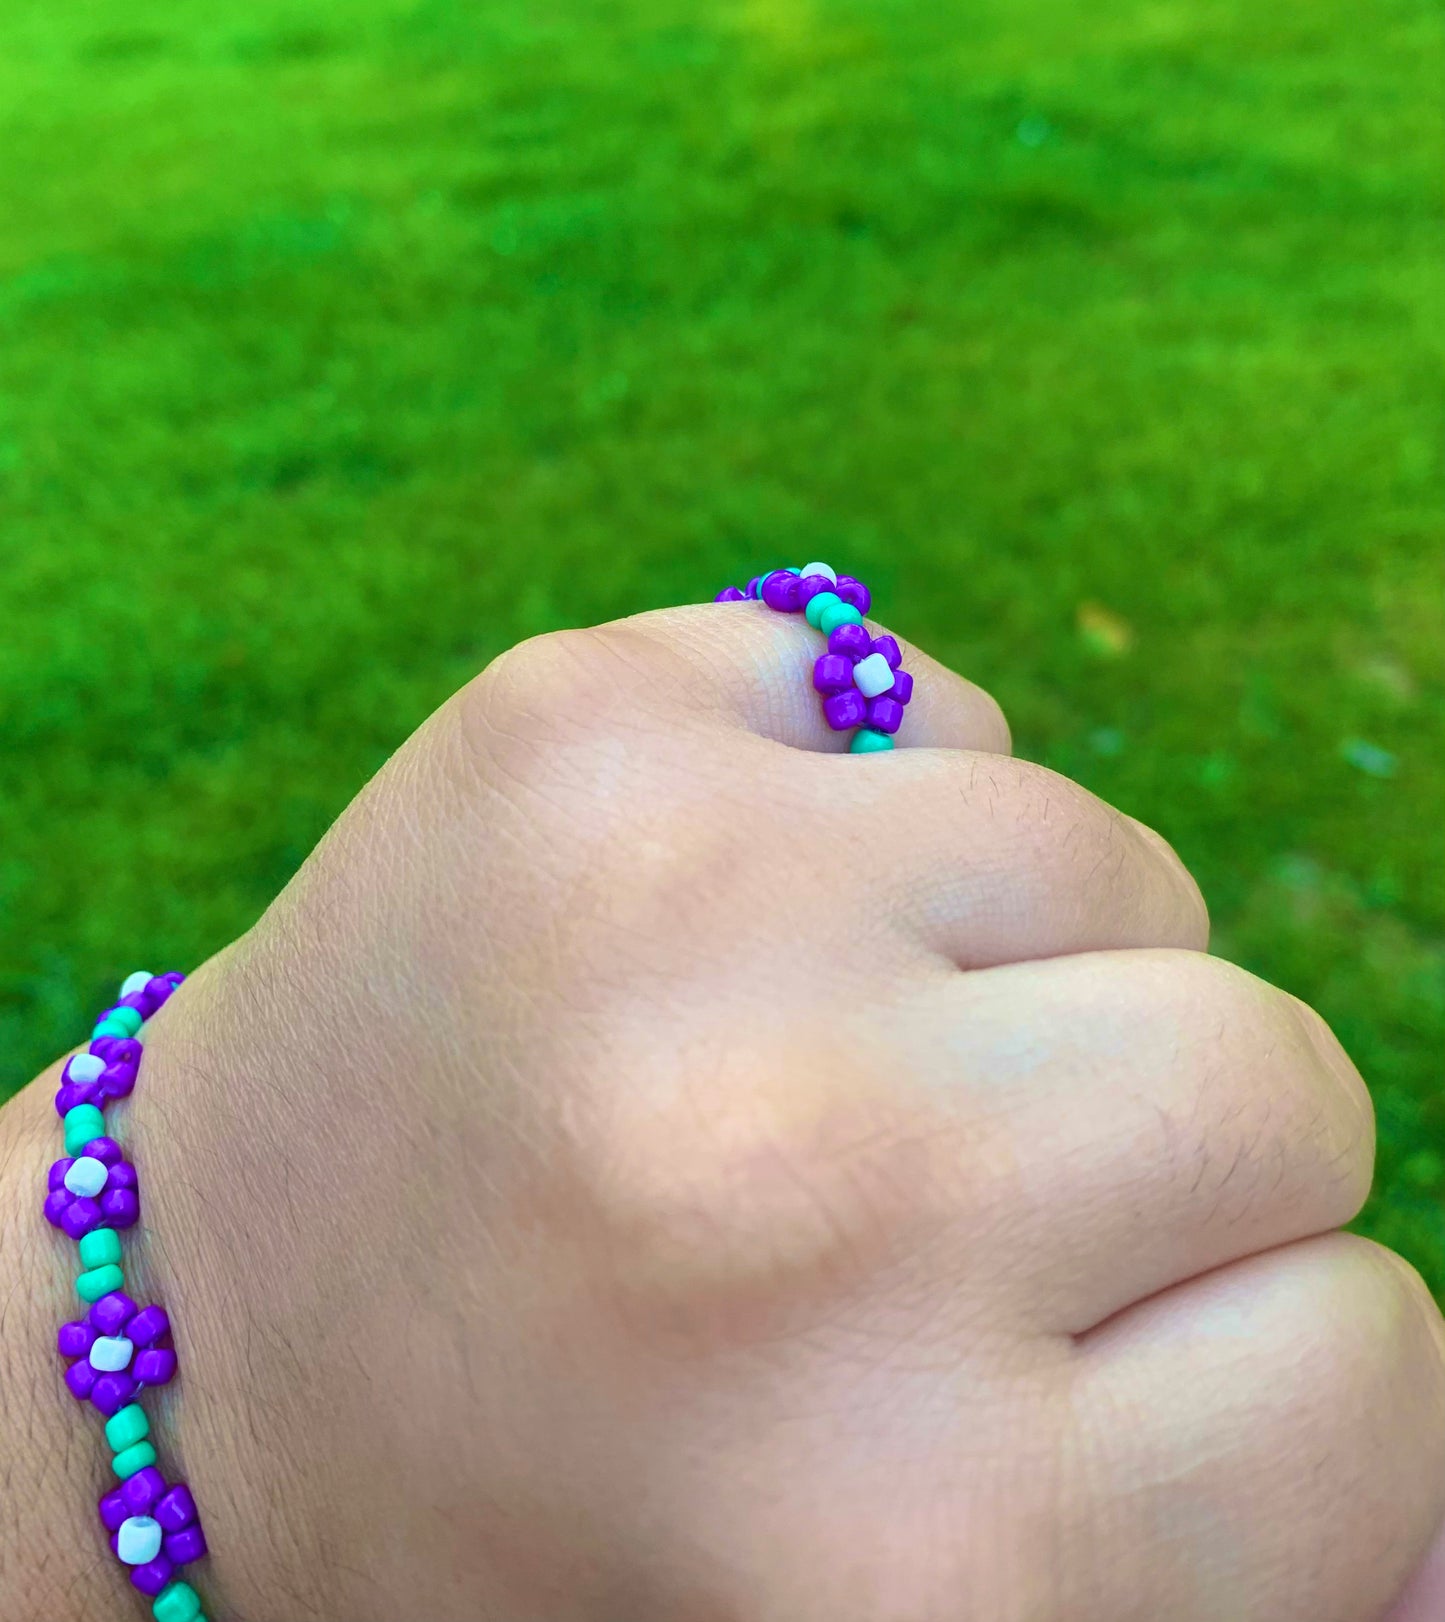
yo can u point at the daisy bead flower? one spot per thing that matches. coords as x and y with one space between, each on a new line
117 1348
96 1189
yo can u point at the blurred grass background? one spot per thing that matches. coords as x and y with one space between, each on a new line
341 346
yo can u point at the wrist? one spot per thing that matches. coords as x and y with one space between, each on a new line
52 1560
53 1451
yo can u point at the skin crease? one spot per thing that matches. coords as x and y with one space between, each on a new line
648 1169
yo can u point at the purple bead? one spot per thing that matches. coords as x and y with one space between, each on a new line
106 1150
755 585
117 1081
832 673
902 686
120 1207
75 1093
730 594
113 1511
183 1547
125 1050
173 978
845 710
885 713
852 641
854 593
888 647
780 591
177 1509
156 1365
112 1312
80 1379
148 1325
809 588
141 1490
79 1217
111 1392
75 1339
122 1175
56 1176
103 1046
57 1203
153 1576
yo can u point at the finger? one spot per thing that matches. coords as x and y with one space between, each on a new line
1266 1444
992 860
753 668
1141 1118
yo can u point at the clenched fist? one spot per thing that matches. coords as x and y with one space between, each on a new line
651 1167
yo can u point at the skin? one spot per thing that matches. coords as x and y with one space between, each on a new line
645 1169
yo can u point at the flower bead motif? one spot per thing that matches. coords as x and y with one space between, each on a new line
95 1189
860 678
117 1349
145 1516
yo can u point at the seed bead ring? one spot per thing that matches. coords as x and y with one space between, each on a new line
861 678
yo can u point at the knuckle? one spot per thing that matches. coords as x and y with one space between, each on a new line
1317 1109
1385 1326
1188 897
1415 1306
1074 843
995 733
548 683
558 718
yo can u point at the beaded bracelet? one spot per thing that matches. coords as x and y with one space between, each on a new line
118 1349
861 678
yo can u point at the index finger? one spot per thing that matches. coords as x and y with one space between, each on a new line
754 668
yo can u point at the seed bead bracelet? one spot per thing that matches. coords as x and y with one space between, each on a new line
118 1350
861 678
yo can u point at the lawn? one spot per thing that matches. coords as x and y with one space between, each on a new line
342 346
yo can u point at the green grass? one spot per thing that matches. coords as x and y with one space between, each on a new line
342 346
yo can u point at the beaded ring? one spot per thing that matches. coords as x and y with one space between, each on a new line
861 678
118 1349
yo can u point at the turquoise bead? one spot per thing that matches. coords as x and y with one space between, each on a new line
813 613
99 1281
837 613
126 1427
129 1017
139 1456
100 1248
868 742
82 1123
110 1027
177 1602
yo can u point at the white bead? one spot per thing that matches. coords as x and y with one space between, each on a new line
87 1177
135 982
110 1354
139 1540
819 568
85 1067
873 675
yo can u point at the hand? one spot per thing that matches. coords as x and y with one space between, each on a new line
648 1167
